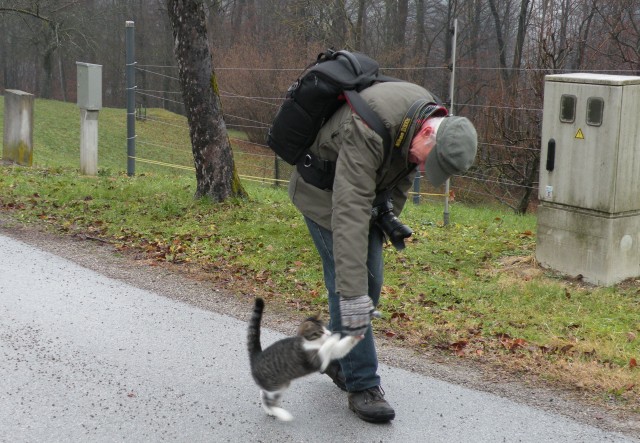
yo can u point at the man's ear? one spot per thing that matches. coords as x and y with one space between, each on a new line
426 129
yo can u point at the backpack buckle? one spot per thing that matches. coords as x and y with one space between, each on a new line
308 161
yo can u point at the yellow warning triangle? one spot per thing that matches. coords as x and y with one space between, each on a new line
579 134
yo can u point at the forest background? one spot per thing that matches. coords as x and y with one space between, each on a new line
504 50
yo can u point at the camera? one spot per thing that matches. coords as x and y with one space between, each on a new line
392 227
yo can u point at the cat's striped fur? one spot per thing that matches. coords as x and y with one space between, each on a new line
273 368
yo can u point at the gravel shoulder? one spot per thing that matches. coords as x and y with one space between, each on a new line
192 287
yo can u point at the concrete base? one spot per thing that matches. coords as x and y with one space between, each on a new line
88 142
603 248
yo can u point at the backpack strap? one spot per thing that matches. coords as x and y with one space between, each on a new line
370 117
320 173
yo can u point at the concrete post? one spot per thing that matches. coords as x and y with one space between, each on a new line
17 143
88 142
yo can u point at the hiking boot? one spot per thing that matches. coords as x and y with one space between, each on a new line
371 406
334 371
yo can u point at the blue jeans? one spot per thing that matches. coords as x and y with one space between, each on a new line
360 366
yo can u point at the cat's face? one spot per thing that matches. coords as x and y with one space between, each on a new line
313 329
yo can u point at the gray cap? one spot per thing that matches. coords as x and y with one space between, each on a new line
454 152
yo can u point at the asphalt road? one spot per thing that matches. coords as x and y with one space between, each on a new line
86 358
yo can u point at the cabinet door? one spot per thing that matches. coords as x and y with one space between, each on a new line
584 122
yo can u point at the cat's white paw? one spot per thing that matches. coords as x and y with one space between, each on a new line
348 342
324 365
280 414
335 338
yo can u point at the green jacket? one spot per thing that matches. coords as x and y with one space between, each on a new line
358 152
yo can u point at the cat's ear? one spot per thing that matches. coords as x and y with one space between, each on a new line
302 328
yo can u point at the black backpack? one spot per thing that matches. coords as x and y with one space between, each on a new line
325 85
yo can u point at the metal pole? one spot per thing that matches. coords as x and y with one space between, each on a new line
451 110
416 188
131 97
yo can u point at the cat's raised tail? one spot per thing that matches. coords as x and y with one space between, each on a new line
253 334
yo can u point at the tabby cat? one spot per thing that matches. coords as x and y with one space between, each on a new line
273 368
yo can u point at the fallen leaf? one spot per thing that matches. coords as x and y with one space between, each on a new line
459 345
519 343
512 345
565 349
545 349
400 316
633 363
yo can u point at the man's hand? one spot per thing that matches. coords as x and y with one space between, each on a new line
356 314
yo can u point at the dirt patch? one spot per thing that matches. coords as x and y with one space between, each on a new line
198 288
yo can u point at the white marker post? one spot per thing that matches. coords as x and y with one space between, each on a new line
90 103
17 146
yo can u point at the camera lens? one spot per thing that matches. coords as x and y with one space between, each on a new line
394 229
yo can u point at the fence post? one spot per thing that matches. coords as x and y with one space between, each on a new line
17 141
277 169
445 215
416 188
131 97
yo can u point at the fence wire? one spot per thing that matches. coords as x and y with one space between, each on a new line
256 163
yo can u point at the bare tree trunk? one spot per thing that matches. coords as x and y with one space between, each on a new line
360 24
401 22
583 36
237 13
420 30
63 77
522 31
529 187
216 175
339 21
502 46
47 78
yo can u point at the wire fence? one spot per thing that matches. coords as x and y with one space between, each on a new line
257 163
